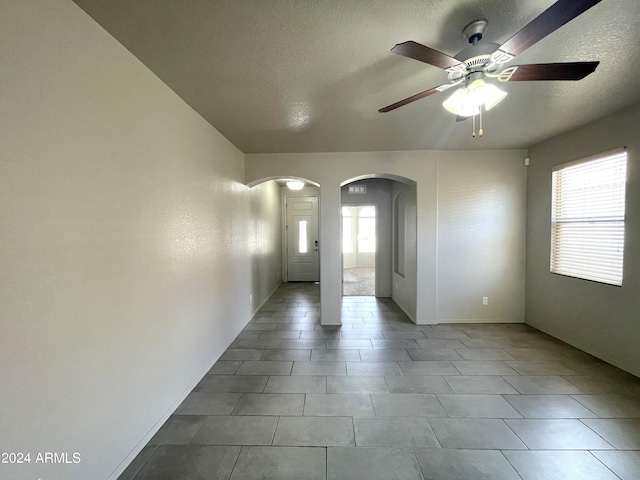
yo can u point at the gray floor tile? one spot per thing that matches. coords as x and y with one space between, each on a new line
484 343
541 385
622 433
558 434
296 326
335 355
434 354
136 465
407 405
356 384
414 432
349 344
483 354
193 462
270 404
548 406
297 384
394 344
447 334
255 343
417 384
314 431
178 430
304 344
260 367
331 334
272 320
244 401
371 463
624 464
230 430
280 463
242 354
263 327
475 433
373 368
361 334
207 403
280 334
287 354
488 384
535 354
338 405
600 385
540 368
443 464
440 343
477 367
232 383
428 368
224 367
611 406
477 406
558 465
385 355
404 334
319 368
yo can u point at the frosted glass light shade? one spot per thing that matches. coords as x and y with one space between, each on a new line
487 94
459 104
466 101
295 185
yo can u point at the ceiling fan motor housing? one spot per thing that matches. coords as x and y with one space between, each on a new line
474 31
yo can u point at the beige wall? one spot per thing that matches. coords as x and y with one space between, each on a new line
445 212
600 319
405 285
125 237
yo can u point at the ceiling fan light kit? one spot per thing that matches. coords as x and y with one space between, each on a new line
472 66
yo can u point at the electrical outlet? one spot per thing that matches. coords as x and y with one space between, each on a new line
485 300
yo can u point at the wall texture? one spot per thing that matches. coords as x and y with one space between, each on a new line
124 250
445 212
597 318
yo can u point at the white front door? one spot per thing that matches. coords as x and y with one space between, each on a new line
302 239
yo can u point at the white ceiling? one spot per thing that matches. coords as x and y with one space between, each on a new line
310 75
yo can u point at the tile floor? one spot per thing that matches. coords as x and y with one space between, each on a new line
382 398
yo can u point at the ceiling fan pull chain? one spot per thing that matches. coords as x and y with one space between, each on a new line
481 132
474 127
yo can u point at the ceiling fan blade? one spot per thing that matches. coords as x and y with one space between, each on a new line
561 12
410 99
551 71
425 54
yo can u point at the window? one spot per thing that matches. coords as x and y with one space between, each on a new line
587 218
367 230
302 237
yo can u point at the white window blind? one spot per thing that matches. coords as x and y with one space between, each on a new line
587 218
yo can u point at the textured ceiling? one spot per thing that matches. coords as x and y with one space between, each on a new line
310 75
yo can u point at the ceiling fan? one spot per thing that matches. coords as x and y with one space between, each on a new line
472 66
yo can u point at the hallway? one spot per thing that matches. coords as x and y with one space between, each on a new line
382 398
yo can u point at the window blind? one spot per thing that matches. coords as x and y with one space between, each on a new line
587 218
